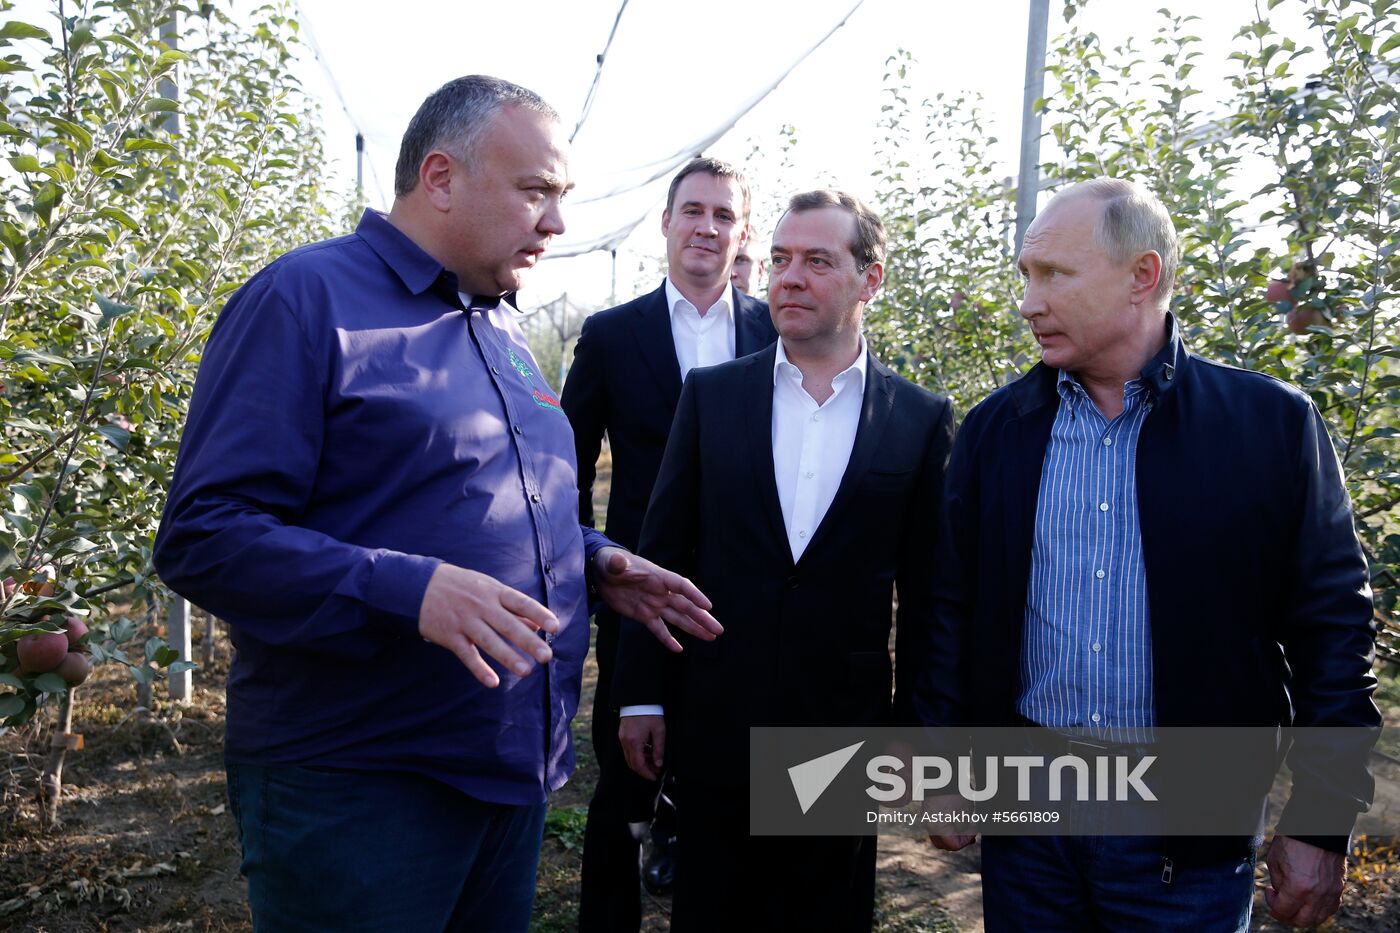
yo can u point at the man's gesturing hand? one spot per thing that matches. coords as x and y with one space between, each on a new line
1305 882
468 612
635 587
950 804
643 740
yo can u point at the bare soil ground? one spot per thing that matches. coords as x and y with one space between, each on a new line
147 842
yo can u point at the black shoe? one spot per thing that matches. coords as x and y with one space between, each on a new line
659 872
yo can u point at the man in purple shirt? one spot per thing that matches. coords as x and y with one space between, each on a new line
373 471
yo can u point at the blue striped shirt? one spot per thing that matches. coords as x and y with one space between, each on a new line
1086 655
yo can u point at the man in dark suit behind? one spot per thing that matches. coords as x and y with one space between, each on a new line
627 373
800 488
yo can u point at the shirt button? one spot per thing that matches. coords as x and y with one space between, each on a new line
810 474
1098 647
1103 506
802 534
519 430
1095 717
1108 442
549 568
816 416
496 370
534 497
1099 574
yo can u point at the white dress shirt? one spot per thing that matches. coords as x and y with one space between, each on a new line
812 443
701 341
811 446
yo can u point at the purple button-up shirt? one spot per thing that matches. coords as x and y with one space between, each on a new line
351 428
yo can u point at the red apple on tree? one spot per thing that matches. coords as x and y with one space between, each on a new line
74 668
41 652
1277 291
77 628
1300 319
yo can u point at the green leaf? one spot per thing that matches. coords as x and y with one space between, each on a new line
34 356
117 436
171 57
1389 45
110 309
25 163
164 657
50 683
44 201
122 630
143 674
14 29
12 680
121 217
162 105
11 704
30 493
141 144
73 130
179 667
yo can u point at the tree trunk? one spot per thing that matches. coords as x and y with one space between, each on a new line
51 781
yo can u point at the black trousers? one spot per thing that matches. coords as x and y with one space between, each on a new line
727 880
610 895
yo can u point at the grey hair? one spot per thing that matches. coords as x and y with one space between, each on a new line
1134 220
452 120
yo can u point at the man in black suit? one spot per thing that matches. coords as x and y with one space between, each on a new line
626 376
800 488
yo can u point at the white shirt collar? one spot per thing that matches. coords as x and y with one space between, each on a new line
780 360
725 304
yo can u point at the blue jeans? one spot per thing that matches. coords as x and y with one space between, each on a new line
1075 884
327 850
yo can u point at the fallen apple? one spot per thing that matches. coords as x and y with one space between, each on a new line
41 652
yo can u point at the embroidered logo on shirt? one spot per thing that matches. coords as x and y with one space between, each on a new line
519 364
545 400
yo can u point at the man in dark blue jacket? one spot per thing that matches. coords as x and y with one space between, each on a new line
1134 538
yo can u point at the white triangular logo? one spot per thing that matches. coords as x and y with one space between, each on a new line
811 778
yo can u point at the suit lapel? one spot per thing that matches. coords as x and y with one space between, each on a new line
876 406
657 347
758 437
1024 439
752 325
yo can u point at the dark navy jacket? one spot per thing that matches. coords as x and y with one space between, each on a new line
1260 604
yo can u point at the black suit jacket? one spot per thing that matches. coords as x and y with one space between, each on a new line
1256 585
625 381
805 643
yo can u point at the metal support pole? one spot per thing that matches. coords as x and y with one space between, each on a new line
1028 186
177 627
170 35
359 162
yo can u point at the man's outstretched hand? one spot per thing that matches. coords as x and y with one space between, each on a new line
468 612
638 589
